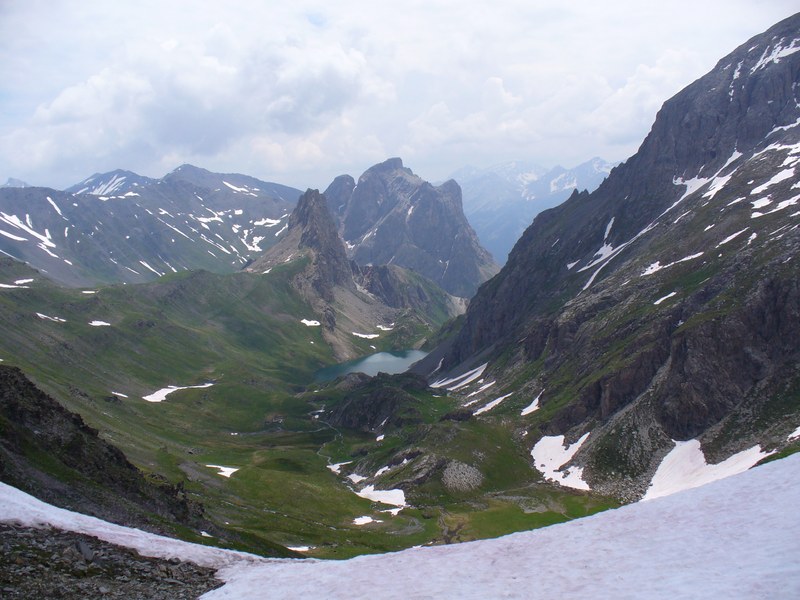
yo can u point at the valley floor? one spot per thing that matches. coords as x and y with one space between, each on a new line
735 538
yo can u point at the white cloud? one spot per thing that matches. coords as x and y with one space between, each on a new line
300 93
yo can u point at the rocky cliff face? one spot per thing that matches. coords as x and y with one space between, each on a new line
394 217
51 453
664 305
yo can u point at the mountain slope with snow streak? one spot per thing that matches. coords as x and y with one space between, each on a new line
734 538
664 306
121 227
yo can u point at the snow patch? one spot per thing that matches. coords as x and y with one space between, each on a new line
310 323
99 324
533 406
685 467
224 471
393 497
54 319
455 383
337 467
161 395
366 336
657 266
667 297
550 455
492 404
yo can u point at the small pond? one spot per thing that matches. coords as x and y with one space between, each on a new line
395 361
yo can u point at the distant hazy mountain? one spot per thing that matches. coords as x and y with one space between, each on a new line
123 227
501 201
14 183
393 217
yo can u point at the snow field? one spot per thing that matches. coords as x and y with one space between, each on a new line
727 539
685 467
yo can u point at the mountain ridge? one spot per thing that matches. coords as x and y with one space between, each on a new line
658 308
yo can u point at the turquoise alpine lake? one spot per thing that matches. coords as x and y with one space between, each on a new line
392 362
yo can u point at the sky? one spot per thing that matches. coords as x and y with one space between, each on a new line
301 92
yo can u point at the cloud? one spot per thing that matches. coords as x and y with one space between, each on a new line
304 91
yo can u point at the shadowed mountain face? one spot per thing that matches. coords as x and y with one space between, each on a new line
393 217
665 304
50 452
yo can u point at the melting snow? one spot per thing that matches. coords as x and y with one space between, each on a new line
550 455
356 478
310 323
337 467
732 237
393 497
366 336
161 395
54 319
657 266
389 327
460 381
99 324
23 281
492 404
365 520
55 206
777 178
667 297
267 222
120 394
533 406
685 467
224 471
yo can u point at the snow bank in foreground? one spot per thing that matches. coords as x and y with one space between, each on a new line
735 538
17 506
730 539
685 467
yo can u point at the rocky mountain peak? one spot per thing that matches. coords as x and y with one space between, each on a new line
393 216
312 232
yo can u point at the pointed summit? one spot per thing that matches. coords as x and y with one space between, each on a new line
311 232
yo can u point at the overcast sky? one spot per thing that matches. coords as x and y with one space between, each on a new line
301 92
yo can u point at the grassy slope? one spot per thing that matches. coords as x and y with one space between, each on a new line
243 333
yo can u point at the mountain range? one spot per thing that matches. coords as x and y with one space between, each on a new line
502 200
641 339
121 227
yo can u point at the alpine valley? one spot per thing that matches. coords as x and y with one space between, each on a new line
161 339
